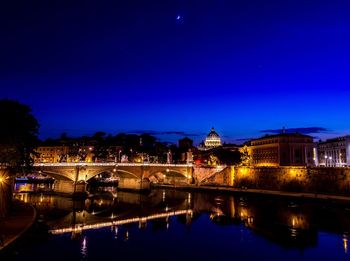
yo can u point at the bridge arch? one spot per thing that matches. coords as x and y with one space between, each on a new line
130 174
168 175
57 176
167 172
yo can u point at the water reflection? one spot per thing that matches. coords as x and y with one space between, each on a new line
345 243
33 187
290 224
84 249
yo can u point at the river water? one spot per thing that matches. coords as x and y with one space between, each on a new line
179 225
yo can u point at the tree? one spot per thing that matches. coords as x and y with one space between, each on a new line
99 136
18 138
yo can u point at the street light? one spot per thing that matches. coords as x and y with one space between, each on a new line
325 162
330 161
3 179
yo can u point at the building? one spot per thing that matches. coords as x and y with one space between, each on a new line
212 140
334 152
51 154
282 150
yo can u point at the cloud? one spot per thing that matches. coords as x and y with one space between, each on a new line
306 130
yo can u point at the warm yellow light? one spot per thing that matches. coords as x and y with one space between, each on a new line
243 171
1 179
345 244
293 172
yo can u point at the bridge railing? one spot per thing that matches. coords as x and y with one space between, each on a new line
107 164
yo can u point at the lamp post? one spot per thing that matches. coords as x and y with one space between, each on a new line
330 161
325 161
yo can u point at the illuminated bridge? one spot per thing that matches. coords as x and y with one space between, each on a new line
72 177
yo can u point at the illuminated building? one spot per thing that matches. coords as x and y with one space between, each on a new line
282 150
212 140
334 152
51 154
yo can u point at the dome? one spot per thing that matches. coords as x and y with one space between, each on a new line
213 134
213 139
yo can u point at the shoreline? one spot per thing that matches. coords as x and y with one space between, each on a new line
19 222
218 188
212 188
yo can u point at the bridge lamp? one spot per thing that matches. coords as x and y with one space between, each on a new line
114 170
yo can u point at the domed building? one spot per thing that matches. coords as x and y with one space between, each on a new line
213 140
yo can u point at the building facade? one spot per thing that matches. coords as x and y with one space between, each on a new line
282 150
51 154
212 140
334 152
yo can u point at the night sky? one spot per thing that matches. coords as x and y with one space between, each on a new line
175 68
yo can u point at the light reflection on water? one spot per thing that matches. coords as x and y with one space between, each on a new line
216 224
84 249
31 187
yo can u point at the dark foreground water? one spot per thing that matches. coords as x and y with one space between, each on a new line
177 225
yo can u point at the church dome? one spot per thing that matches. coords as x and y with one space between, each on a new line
213 139
213 134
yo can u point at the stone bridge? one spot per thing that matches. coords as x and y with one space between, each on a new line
72 177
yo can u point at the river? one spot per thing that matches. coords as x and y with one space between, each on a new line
179 225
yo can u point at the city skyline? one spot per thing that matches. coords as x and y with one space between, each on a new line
198 138
243 67
174 129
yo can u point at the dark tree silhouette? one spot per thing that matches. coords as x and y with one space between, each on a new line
18 138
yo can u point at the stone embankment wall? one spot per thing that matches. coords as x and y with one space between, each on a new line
299 179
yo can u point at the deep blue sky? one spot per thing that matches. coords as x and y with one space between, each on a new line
240 66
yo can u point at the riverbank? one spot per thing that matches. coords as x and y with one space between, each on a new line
22 217
257 191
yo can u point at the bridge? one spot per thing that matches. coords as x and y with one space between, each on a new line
73 177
